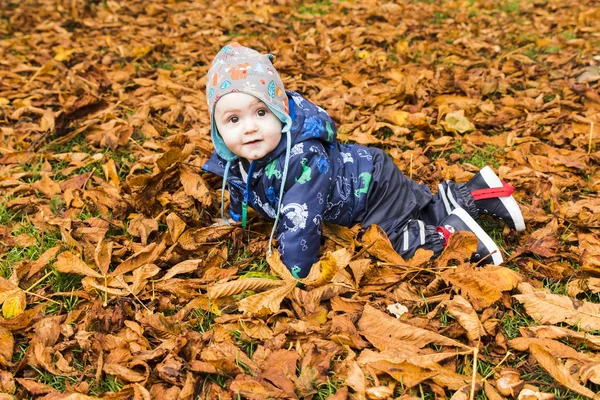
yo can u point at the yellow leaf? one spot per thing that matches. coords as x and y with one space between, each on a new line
14 305
322 272
62 54
4 102
140 51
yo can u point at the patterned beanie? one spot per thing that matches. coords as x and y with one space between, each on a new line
240 69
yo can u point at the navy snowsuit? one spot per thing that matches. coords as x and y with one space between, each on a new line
337 183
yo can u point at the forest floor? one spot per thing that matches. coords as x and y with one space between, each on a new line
115 284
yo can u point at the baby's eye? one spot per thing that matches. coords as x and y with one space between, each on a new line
262 112
234 120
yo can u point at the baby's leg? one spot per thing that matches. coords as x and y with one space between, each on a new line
407 238
450 195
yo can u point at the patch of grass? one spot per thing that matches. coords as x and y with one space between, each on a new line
244 342
457 149
32 171
6 216
514 319
162 64
62 282
76 144
556 287
86 213
569 35
551 49
318 8
108 384
204 320
532 52
43 242
512 6
445 318
439 17
494 228
19 352
482 157
56 382
328 388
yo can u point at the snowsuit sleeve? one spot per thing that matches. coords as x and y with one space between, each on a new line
308 186
236 197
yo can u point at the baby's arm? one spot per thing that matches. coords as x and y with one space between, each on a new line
299 229
236 197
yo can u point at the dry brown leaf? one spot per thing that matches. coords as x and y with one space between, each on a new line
124 373
7 348
322 272
241 285
556 332
102 256
378 245
195 186
462 310
193 239
176 226
184 267
267 302
145 256
278 267
553 308
559 372
69 263
461 246
386 332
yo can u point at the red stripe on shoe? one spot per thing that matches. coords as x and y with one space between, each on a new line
492 193
445 232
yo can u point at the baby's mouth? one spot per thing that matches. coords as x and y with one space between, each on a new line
253 142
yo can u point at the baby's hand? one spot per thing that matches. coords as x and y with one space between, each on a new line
221 222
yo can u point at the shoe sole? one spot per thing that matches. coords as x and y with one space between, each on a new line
492 180
481 235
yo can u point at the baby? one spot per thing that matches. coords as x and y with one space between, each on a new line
278 153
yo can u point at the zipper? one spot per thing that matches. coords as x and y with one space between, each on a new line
247 195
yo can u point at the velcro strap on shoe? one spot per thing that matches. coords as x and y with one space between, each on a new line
492 193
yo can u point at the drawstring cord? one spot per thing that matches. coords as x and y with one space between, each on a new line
223 192
288 147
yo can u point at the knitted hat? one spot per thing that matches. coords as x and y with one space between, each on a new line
240 69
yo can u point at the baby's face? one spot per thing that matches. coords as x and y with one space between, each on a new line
248 127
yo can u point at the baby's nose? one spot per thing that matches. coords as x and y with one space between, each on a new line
251 125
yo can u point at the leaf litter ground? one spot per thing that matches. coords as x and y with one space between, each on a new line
116 285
